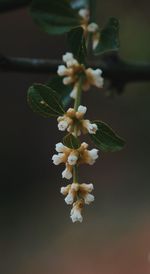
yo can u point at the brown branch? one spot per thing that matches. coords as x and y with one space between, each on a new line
114 69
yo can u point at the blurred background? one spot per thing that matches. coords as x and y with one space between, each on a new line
36 233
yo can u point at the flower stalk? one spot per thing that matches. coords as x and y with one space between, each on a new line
81 78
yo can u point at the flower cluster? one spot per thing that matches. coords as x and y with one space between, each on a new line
77 194
72 157
73 122
89 27
73 71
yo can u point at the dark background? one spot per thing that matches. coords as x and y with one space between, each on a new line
36 234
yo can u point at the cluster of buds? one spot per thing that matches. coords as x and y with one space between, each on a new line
92 28
72 157
73 122
78 195
72 73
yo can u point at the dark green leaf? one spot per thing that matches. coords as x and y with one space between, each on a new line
45 101
106 139
54 16
76 40
63 90
71 141
109 37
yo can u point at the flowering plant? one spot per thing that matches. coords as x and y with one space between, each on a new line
75 77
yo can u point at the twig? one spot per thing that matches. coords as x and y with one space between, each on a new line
115 69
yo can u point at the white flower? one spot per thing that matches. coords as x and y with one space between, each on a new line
71 63
72 159
98 72
62 125
65 189
60 147
69 199
94 77
67 57
74 91
82 109
87 187
93 155
67 174
75 214
95 40
62 70
92 128
85 190
58 159
71 194
84 13
67 80
88 198
92 27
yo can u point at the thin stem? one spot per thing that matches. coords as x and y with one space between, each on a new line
76 105
78 97
75 174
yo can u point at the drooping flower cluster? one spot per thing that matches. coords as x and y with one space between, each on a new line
92 28
72 157
72 73
73 122
78 195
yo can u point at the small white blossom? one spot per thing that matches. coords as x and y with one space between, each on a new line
95 77
93 155
57 159
74 91
67 80
88 198
92 128
62 125
84 13
60 147
71 193
95 40
87 187
67 174
65 189
62 70
72 63
82 109
75 214
68 56
92 27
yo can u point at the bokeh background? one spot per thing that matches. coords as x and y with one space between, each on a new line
36 234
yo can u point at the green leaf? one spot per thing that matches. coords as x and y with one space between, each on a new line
54 16
45 101
109 37
63 90
76 40
106 139
71 141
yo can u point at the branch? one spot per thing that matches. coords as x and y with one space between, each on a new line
8 5
114 69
